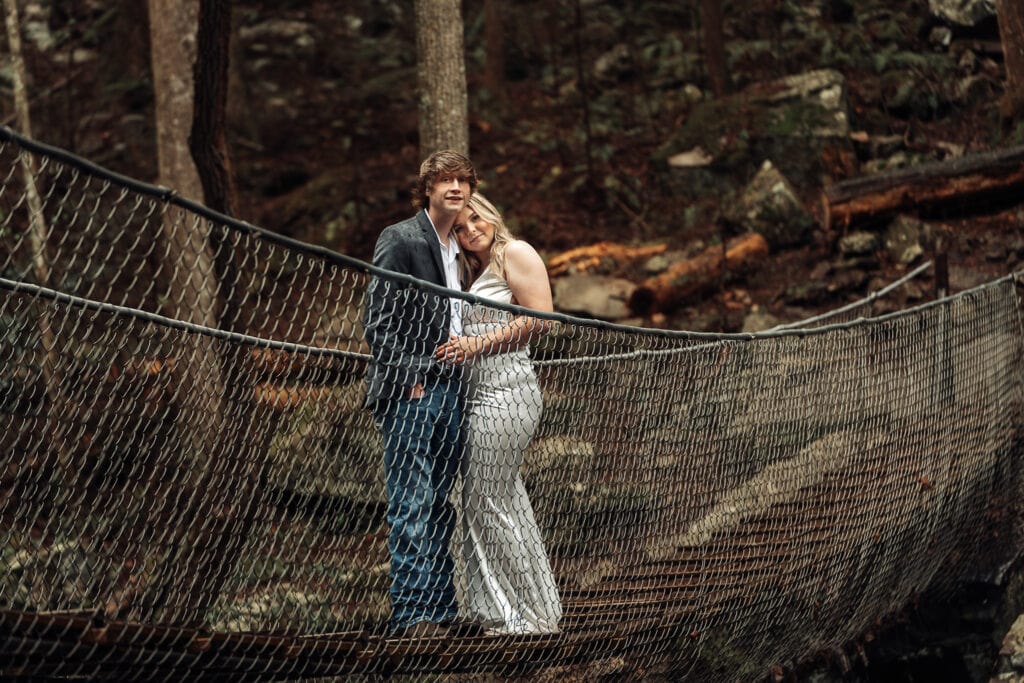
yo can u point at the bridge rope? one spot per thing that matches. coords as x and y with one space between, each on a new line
192 486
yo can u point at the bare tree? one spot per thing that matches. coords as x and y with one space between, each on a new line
443 104
1010 14
208 547
208 140
579 25
713 45
37 222
193 285
173 51
494 48
37 226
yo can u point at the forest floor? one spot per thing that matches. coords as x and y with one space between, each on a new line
533 162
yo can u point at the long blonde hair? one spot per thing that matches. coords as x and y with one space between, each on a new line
470 263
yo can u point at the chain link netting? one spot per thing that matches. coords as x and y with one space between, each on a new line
191 484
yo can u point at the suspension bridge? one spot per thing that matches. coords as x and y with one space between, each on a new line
191 488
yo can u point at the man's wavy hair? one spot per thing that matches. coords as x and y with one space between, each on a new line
440 163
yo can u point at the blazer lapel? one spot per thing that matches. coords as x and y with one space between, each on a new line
435 244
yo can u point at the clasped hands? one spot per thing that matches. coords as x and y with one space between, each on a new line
458 349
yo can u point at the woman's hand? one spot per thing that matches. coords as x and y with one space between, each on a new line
458 350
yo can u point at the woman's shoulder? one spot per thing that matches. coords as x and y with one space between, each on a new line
521 250
523 260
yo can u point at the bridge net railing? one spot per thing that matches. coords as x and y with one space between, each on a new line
190 480
874 304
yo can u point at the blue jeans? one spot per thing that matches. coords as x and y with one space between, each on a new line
422 451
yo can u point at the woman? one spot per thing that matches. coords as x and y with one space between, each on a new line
509 584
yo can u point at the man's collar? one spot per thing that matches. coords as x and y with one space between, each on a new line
452 242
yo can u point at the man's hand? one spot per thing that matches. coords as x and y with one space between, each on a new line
415 391
458 349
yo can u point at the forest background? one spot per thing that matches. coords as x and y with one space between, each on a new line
636 123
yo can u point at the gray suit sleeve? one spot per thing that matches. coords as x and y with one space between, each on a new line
390 323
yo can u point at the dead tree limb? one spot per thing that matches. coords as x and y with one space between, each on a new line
932 184
601 256
38 229
689 277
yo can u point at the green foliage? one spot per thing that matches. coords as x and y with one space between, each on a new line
799 117
393 77
849 49
349 94
749 51
94 33
1016 136
133 90
624 190
669 59
893 58
709 125
911 92
690 215
730 129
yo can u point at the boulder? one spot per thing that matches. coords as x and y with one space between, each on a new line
759 319
858 243
963 12
595 296
903 239
770 207
825 88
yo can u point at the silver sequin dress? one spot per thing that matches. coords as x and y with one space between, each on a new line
509 584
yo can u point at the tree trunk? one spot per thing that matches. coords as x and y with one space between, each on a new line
209 539
173 48
494 45
714 46
443 104
37 224
193 297
581 76
1011 33
208 140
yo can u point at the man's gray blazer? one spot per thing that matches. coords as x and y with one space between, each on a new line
404 324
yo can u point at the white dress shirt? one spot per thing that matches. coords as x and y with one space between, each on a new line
450 258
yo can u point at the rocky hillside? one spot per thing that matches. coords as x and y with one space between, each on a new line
604 131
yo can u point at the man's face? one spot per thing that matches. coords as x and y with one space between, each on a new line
449 193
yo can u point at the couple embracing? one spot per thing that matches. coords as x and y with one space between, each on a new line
452 390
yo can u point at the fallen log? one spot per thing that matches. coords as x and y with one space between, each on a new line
609 255
285 366
959 179
691 276
281 398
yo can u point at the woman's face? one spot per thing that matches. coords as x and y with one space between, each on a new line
475 235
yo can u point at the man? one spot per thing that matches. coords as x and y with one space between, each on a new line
415 400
